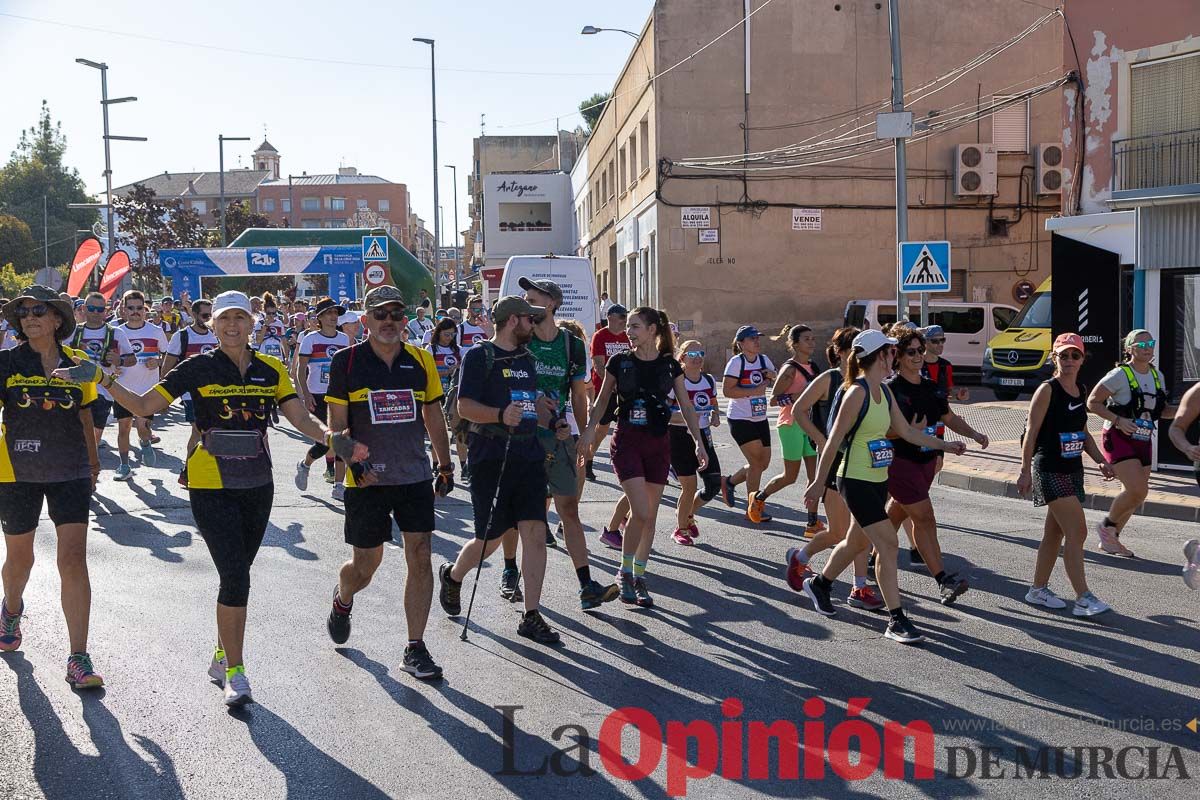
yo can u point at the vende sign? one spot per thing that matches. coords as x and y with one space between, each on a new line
806 219
696 217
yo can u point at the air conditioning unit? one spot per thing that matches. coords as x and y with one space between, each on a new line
974 170
1049 173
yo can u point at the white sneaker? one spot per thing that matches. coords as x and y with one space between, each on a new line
1088 605
216 670
301 475
339 492
1044 597
237 690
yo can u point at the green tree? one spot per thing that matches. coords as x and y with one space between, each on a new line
36 170
12 281
16 244
592 108
238 217
185 227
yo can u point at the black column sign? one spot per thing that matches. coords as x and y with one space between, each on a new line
1086 299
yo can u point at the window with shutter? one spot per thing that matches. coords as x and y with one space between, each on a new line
1010 126
1165 96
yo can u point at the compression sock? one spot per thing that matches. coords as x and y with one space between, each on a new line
584 574
627 563
510 563
639 569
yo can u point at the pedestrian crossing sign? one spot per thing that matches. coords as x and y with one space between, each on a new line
374 248
924 266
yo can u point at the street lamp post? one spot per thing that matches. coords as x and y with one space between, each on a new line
589 30
221 140
457 269
105 102
437 229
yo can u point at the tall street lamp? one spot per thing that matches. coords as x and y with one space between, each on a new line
457 275
589 30
105 102
437 229
221 140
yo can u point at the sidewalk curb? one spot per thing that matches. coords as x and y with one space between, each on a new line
1185 512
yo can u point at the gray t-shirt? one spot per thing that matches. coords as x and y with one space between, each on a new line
1117 383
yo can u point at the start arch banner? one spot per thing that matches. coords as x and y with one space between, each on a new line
185 267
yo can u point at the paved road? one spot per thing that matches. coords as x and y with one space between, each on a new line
347 723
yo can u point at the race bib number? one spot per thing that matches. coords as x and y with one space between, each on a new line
637 414
881 453
1072 444
1145 429
758 407
273 348
323 375
392 406
932 430
528 401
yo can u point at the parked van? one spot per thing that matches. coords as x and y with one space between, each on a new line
968 326
574 276
1018 359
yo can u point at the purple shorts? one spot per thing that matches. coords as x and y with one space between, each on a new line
638 453
909 481
1118 447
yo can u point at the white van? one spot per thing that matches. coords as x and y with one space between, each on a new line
969 326
574 276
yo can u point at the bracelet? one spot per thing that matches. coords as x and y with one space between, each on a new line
500 415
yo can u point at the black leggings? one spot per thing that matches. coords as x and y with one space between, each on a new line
232 523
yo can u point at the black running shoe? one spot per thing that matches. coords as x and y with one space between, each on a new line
338 623
510 585
820 597
915 560
418 662
951 588
644 600
593 595
450 591
899 629
871 568
550 540
534 627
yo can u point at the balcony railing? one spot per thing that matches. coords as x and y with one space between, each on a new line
1157 160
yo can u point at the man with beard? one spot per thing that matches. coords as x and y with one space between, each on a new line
497 395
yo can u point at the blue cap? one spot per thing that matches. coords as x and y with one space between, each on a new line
745 332
933 330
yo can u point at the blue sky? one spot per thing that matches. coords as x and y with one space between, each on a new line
319 115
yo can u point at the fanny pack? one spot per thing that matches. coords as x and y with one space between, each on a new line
233 444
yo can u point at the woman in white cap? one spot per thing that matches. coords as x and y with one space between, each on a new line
1056 437
748 376
1131 399
865 411
234 389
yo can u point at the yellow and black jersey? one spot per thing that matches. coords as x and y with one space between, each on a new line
42 439
385 407
225 400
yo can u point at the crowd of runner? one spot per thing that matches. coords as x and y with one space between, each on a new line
525 400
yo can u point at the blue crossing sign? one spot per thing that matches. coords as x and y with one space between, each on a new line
924 266
374 248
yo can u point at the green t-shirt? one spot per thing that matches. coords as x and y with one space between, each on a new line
552 365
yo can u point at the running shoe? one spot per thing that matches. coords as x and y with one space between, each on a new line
123 472
419 663
217 667
593 594
237 687
819 596
1107 534
589 472
681 537
329 475
1191 570
952 587
865 598
147 454
813 528
728 491
796 572
338 622
692 530
642 594
510 585
10 628
301 475
1044 597
80 673
625 588
611 539
1088 605
338 492
155 438
756 509
550 540
915 561
449 592
534 627
900 630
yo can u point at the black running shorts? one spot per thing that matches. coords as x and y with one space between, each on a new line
21 504
371 509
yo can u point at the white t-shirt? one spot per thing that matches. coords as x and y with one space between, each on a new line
704 398
417 328
91 341
319 349
147 342
197 343
1116 382
273 334
750 373
470 335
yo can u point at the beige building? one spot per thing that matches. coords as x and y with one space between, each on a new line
677 216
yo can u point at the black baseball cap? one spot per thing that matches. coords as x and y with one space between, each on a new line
618 309
550 288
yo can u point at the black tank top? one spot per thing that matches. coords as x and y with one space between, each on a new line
1061 440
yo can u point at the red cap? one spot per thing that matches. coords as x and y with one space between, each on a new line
1066 341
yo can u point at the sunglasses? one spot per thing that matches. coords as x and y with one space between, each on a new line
1071 355
694 354
936 341
1146 345
380 314
95 309
915 351
40 310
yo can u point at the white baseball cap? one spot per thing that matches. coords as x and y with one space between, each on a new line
871 340
230 301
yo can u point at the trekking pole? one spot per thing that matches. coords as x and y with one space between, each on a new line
486 528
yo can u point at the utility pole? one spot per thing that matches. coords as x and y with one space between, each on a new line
457 260
901 164
437 224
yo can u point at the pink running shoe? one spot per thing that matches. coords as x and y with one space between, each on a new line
865 598
796 572
681 537
611 539
1107 535
80 673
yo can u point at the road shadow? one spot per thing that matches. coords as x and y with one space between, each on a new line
133 530
289 540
